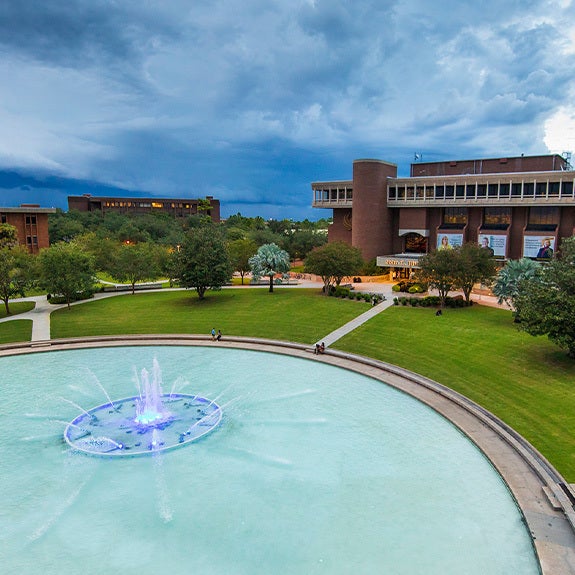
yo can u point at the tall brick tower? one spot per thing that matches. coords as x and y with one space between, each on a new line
372 229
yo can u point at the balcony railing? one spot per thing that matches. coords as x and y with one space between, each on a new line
556 188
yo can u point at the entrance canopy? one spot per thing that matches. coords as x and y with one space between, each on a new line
399 261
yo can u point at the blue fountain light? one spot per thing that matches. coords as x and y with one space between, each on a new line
144 424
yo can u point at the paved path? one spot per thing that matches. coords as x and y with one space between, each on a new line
354 323
40 315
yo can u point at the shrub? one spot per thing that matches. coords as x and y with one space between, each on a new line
58 299
341 292
417 288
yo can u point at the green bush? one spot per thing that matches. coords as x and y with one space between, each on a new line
341 292
58 299
417 288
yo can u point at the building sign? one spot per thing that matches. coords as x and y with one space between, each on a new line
540 247
397 262
497 243
448 241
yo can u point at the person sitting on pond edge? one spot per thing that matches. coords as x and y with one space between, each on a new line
219 336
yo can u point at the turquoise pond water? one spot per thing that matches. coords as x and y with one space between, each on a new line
313 469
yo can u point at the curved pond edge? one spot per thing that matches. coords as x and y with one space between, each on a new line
546 500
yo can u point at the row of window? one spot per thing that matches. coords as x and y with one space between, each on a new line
496 217
157 205
30 219
333 195
493 190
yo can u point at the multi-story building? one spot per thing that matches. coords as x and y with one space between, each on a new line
517 207
31 223
176 207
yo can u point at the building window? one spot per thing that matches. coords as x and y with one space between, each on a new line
4 219
496 218
543 218
528 189
415 244
30 220
454 217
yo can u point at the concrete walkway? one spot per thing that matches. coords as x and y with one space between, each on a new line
359 320
40 315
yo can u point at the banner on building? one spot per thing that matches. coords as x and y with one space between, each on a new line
449 241
497 243
540 247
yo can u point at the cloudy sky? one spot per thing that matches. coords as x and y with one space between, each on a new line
252 100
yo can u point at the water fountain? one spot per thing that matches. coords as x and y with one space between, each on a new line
316 470
147 423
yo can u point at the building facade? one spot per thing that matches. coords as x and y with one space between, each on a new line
177 207
31 223
516 207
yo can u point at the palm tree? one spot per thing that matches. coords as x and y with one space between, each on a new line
509 278
269 261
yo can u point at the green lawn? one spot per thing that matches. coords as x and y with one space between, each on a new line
16 330
526 381
291 314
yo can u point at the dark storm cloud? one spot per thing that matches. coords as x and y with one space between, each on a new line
251 100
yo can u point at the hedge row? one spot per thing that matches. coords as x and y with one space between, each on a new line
343 292
432 301
409 286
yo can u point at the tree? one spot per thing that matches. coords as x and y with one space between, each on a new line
240 252
202 261
333 262
15 273
299 243
437 270
8 236
66 269
506 286
545 303
135 263
269 260
473 264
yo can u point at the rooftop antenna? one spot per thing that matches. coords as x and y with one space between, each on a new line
417 157
567 158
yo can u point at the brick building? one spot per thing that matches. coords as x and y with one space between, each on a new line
31 223
176 207
518 207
